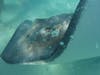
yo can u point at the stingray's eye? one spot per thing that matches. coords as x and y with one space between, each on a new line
48 29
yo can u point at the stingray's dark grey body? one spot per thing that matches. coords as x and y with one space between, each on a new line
38 40
43 39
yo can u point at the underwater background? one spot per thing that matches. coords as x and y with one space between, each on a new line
82 55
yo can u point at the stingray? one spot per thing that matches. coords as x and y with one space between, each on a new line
42 39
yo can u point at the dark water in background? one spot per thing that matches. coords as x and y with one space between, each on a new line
85 44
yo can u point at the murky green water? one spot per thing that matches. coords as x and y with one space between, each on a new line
85 42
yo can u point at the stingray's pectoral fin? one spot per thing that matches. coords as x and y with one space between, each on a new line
13 48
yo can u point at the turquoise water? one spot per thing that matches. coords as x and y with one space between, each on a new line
84 45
